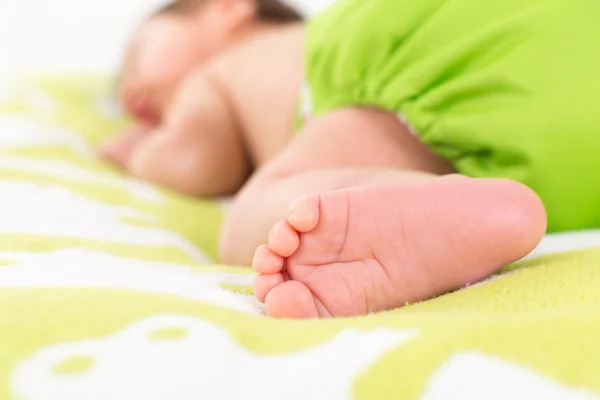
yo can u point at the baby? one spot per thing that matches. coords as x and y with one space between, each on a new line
387 151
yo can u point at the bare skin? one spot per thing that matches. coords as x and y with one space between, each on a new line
358 215
347 148
376 220
368 249
221 109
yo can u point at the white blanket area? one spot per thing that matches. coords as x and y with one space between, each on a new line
75 36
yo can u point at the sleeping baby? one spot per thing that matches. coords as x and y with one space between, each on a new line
383 153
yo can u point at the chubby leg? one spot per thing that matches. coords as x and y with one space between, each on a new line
376 220
368 249
348 148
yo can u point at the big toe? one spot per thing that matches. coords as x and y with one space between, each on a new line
263 284
293 299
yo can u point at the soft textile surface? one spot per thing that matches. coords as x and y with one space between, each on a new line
106 293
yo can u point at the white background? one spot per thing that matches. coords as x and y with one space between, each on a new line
74 35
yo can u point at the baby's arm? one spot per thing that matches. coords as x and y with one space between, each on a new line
119 148
198 150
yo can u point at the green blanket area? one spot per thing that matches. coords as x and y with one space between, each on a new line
108 291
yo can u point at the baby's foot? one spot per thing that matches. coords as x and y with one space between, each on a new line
361 250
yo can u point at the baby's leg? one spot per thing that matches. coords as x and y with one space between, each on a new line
351 147
368 249
372 238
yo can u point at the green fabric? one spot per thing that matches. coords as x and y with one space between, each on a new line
106 293
506 88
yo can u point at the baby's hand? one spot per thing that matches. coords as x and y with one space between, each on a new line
119 149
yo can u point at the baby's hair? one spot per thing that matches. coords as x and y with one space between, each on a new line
267 10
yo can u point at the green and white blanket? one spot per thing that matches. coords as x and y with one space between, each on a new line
107 292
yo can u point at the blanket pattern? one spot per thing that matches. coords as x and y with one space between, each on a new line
108 290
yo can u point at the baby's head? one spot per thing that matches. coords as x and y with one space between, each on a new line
179 37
